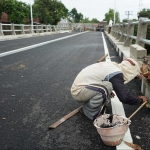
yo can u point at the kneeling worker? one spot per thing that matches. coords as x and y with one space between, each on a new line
94 84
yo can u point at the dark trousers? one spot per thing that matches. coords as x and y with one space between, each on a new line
109 30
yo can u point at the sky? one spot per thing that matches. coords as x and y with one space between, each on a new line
97 8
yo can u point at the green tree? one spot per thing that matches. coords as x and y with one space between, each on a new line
49 11
75 16
146 13
86 20
94 20
17 11
110 14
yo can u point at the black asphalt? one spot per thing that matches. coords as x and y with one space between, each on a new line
35 93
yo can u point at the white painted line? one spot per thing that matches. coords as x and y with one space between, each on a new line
106 49
117 108
37 45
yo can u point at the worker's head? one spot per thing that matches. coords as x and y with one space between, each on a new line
130 69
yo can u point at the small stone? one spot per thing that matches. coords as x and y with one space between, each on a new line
138 137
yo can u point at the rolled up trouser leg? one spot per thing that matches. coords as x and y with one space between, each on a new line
85 95
93 106
92 101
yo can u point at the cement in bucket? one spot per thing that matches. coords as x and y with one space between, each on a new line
111 136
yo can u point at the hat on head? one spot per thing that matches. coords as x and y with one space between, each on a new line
130 69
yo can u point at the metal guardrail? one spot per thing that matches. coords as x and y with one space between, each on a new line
124 32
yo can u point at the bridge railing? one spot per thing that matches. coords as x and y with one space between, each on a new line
130 39
124 32
14 29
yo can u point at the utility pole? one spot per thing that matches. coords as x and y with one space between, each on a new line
128 13
140 5
114 11
31 16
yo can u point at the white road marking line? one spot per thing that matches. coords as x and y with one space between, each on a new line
117 108
37 45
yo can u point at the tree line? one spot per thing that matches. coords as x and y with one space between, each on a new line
52 11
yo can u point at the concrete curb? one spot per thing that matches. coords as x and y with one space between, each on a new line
123 52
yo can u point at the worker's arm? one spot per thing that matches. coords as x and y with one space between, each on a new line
122 92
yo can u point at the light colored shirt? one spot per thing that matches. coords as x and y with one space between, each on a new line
93 74
110 23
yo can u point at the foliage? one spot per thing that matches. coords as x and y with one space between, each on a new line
17 11
86 20
75 16
94 20
110 14
146 13
126 20
49 11
78 17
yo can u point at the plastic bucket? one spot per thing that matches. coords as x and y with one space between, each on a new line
111 136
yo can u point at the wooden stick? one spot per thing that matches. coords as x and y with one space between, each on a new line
101 59
60 121
65 118
135 112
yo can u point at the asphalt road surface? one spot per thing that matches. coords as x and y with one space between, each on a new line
35 93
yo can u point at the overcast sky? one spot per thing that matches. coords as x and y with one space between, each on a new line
98 8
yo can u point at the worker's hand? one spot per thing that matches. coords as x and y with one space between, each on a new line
140 76
144 68
112 95
144 99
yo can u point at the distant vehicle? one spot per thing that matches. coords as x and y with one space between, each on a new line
101 26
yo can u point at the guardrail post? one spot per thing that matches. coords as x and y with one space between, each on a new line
22 29
13 29
123 30
115 30
1 30
37 30
46 28
118 33
56 29
130 31
50 28
142 30
112 29
42 29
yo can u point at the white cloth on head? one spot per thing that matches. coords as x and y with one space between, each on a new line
129 71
